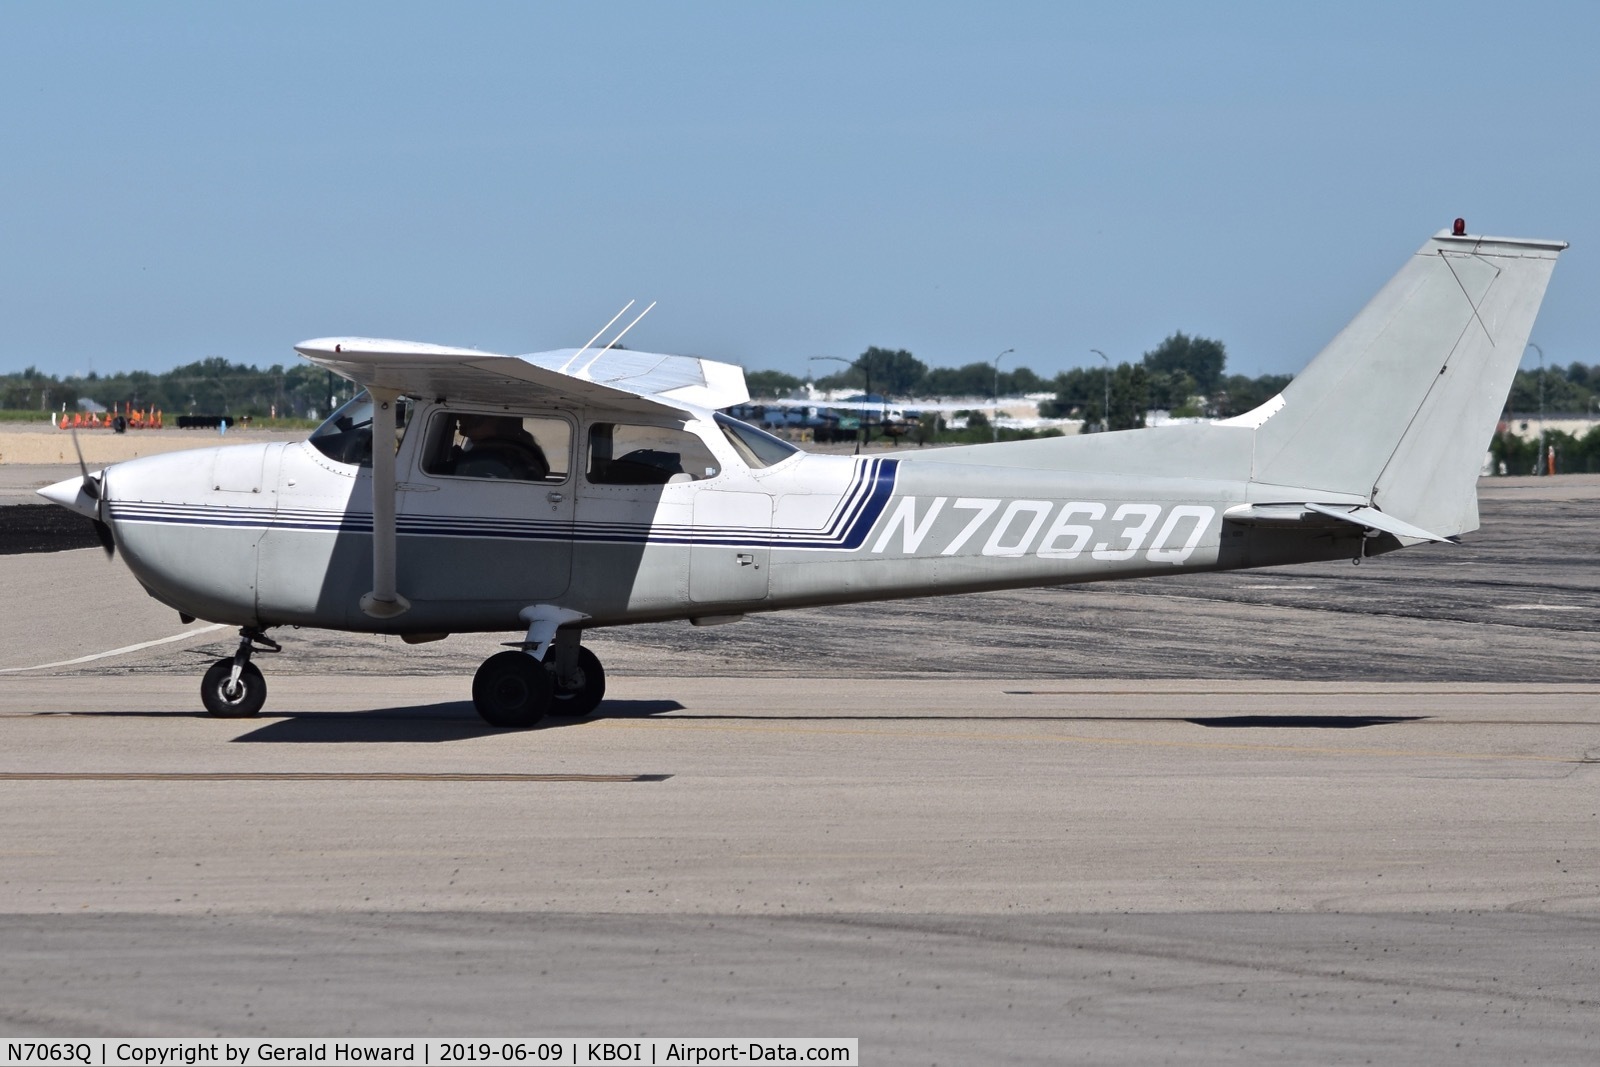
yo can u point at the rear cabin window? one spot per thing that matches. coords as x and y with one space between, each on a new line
514 448
625 454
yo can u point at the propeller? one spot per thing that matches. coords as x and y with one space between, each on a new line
91 489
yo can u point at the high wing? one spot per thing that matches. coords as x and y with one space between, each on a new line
616 380
622 380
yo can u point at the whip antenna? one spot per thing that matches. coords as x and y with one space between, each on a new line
618 337
600 331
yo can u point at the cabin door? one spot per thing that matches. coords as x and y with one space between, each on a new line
487 512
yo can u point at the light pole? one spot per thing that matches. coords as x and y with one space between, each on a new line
1105 412
866 423
995 421
1539 466
847 363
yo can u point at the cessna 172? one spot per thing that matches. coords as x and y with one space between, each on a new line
551 493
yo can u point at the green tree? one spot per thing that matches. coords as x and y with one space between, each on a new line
1201 358
1079 394
971 379
1172 391
1564 391
770 383
1238 394
1130 396
1021 381
978 379
891 372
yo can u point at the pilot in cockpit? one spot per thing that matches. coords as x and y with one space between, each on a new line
495 446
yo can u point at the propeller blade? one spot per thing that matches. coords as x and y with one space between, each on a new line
91 488
102 533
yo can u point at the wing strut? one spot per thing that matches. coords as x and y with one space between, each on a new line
384 602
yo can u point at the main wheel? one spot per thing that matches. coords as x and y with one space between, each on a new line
511 689
233 702
587 690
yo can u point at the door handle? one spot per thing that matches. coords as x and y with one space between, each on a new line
746 559
554 497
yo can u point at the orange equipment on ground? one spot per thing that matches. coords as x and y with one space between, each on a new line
133 419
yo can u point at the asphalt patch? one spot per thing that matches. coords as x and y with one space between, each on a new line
1304 722
43 528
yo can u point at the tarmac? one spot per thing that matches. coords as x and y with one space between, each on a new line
1326 813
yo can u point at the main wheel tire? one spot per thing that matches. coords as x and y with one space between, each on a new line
585 695
244 701
512 690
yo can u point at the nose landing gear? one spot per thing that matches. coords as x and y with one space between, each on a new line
234 688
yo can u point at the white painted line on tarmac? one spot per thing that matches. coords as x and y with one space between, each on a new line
1543 607
117 651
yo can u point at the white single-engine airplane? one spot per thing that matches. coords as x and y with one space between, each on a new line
551 493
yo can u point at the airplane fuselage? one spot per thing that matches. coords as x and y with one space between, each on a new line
273 534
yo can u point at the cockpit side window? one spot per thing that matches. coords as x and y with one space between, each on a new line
347 435
518 448
624 454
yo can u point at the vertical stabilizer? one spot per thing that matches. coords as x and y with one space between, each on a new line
1401 405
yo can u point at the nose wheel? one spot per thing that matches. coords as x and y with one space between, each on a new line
234 688
227 697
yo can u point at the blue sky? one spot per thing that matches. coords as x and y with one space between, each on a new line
179 181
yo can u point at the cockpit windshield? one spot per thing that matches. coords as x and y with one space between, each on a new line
347 435
757 448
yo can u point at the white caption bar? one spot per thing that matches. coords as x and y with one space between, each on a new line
574 1051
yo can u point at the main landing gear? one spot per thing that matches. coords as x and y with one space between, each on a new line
234 688
549 673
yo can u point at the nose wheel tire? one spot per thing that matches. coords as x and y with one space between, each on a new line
512 690
587 688
233 701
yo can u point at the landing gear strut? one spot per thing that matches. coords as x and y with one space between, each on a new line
579 682
547 673
234 688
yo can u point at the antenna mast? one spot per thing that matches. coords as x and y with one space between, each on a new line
597 334
618 337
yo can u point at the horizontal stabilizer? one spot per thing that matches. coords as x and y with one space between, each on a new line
1373 519
1327 517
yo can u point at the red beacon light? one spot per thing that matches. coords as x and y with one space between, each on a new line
1460 228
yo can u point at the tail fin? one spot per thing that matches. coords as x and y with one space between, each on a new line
1400 407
